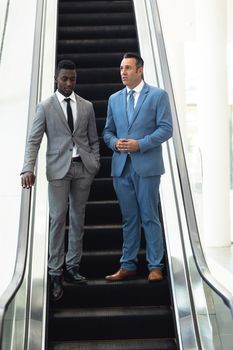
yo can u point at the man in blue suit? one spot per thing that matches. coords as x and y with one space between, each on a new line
138 122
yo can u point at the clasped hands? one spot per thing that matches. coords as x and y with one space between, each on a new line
127 145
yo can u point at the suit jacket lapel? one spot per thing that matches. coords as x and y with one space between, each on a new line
60 112
141 99
123 103
79 111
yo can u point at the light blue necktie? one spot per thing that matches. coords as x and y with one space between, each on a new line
130 105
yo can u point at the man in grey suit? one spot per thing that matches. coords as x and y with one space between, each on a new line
72 161
138 122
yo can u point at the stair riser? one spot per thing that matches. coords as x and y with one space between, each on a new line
99 214
100 266
124 293
104 150
102 190
97 91
95 6
159 326
105 239
90 32
100 76
105 168
89 46
100 108
95 59
96 19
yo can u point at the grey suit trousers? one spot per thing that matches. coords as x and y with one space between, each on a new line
74 189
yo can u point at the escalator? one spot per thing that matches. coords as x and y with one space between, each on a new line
189 309
101 315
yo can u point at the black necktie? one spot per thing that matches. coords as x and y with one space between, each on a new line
69 114
130 105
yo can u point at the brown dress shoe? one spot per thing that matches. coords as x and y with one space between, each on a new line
120 275
155 275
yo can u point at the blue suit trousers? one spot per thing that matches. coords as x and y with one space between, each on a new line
138 199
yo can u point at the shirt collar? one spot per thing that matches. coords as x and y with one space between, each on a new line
137 88
62 97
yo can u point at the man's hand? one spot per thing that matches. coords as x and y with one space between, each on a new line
127 145
27 179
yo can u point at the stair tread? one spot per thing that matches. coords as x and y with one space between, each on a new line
103 202
103 29
113 311
113 15
95 42
117 344
97 6
102 227
107 253
138 281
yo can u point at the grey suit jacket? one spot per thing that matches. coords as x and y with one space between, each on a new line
50 119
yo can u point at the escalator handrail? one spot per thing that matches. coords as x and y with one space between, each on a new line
21 256
4 28
26 196
193 231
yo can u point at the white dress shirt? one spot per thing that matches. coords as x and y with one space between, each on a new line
73 105
136 94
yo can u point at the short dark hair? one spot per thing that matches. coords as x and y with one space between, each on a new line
138 58
65 64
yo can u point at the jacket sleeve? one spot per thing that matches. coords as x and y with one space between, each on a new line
109 132
34 140
164 126
93 135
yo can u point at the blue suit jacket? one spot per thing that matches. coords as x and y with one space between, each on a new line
151 126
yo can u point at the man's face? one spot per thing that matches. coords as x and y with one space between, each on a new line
66 81
130 74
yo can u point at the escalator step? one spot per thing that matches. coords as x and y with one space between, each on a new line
103 212
105 168
93 19
100 107
101 293
97 91
98 76
116 344
101 263
95 6
92 45
111 323
87 32
94 59
104 150
102 189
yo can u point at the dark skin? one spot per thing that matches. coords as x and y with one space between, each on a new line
66 81
131 76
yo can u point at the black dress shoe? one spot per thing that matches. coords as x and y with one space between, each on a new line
56 288
73 276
